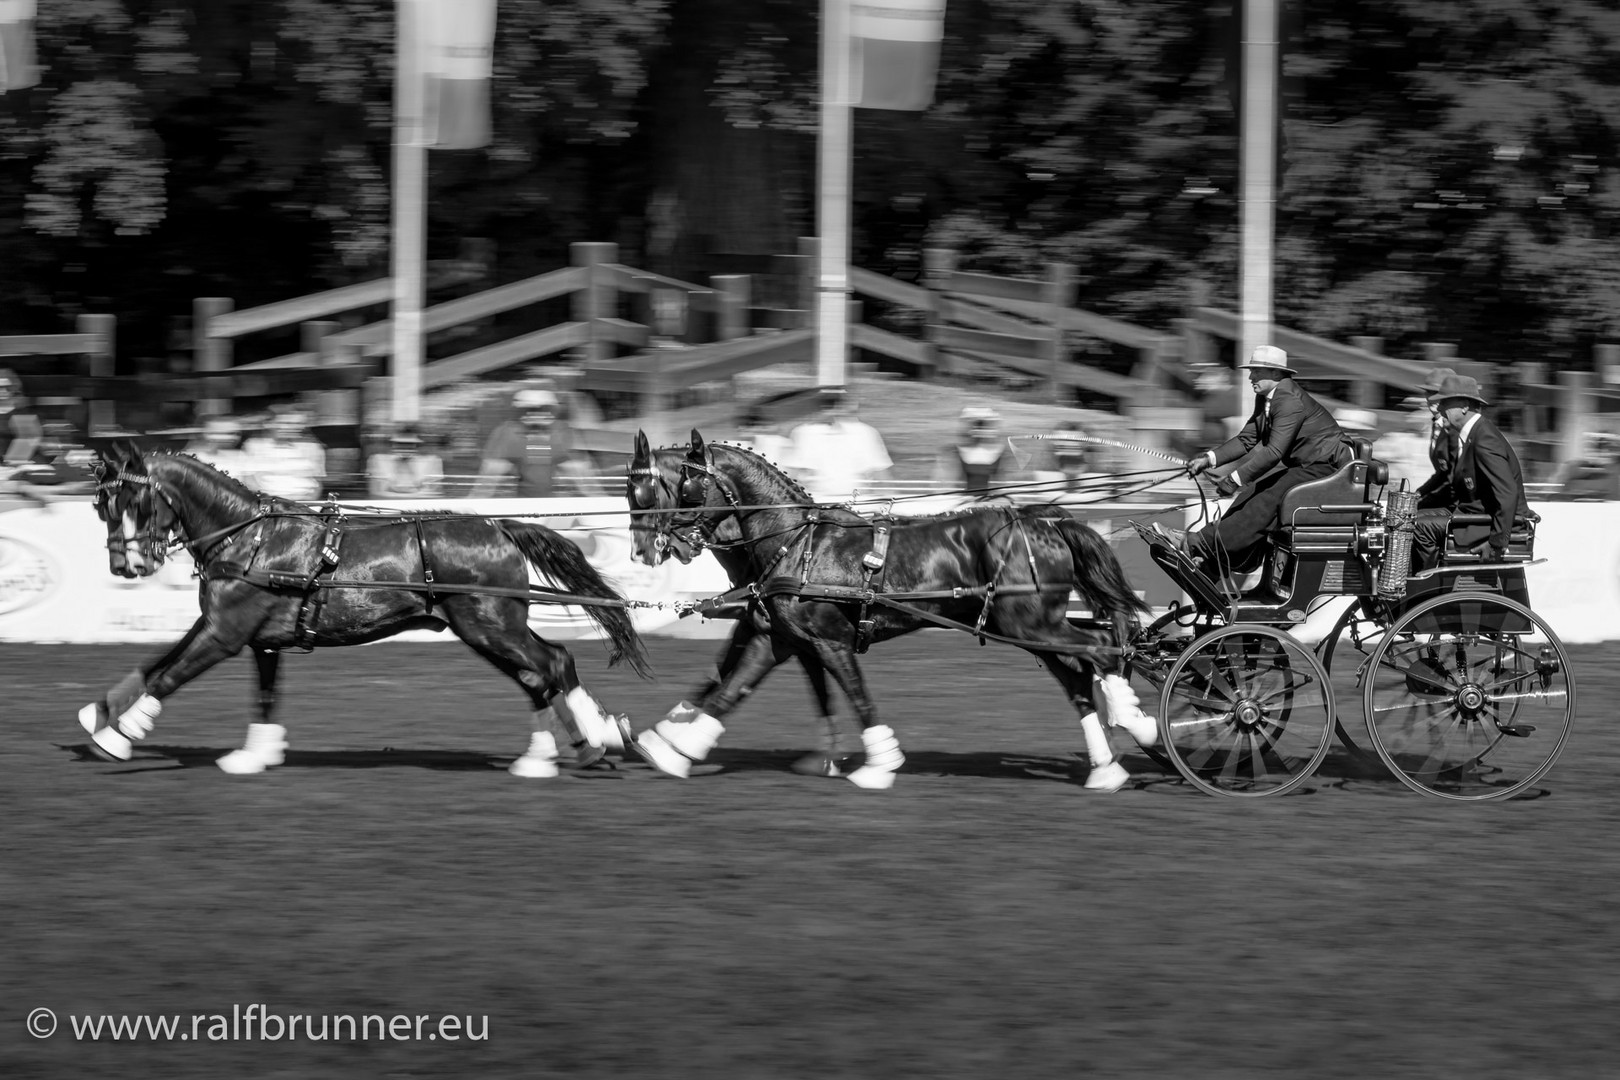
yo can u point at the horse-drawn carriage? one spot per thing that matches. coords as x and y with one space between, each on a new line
1466 693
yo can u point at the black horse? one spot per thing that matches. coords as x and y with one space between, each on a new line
649 543
258 558
829 582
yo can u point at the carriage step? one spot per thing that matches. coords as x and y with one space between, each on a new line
1518 731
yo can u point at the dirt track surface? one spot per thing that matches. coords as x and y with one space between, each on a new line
985 918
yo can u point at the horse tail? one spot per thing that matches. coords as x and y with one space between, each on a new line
561 560
1097 573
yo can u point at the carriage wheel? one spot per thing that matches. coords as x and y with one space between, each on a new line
1469 697
1348 647
1246 711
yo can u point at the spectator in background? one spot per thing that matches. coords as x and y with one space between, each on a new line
60 466
759 434
218 444
1067 460
20 430
1406 450
533 456
979 460
288 461
837 453
405 470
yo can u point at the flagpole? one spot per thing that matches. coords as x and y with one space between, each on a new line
834 155
1259 183
409 213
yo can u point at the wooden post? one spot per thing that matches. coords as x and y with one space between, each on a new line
938 263
597 300
1530 375
809 254
1606 358
209 353
1368 393
103 365
1574 412
732 299
1060 294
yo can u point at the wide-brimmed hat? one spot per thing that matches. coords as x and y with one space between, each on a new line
979 416
1269 356
1431 385
1458 386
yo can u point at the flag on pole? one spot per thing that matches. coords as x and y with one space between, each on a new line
458 50
894 46
18 66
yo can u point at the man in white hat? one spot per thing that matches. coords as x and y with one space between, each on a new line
1289 439
536 450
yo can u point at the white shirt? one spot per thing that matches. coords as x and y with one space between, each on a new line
1467 429
292 470
837 457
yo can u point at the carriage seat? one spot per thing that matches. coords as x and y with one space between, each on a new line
1346 492
1521 538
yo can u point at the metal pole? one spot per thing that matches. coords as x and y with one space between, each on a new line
832 221
1259 182
409 212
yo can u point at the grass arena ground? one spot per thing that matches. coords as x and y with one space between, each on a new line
987 917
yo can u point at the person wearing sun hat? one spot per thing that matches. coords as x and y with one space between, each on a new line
1289 439
1484 478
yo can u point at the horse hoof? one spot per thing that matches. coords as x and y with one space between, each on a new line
1110 777
871 779
110 744
817 764
242 763
658 753
586 755
93 717
533 768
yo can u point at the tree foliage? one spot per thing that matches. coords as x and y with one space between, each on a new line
1448 172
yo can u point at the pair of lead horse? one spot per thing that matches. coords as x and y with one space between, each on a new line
1003 572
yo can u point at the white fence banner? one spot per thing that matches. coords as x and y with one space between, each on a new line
55 587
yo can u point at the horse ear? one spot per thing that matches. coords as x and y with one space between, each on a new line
696 452
643 448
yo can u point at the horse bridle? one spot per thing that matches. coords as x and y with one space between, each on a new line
646 483
154 542
157 543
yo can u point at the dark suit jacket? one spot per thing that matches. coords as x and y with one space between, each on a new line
1298 432
1487 479
1435 491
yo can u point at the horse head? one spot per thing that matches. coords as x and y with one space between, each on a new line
139 519
679 503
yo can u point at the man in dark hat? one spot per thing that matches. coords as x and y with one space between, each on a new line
1442 442
1484 478
1289 440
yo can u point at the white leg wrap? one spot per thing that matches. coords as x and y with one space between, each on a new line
694 738
113 744
660 755
136 721
539 762
883 759
90 718
587 714
1106 773
266 746
1124 709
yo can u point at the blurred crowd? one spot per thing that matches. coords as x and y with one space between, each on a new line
520 440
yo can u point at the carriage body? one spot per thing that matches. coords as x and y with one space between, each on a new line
1466 692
